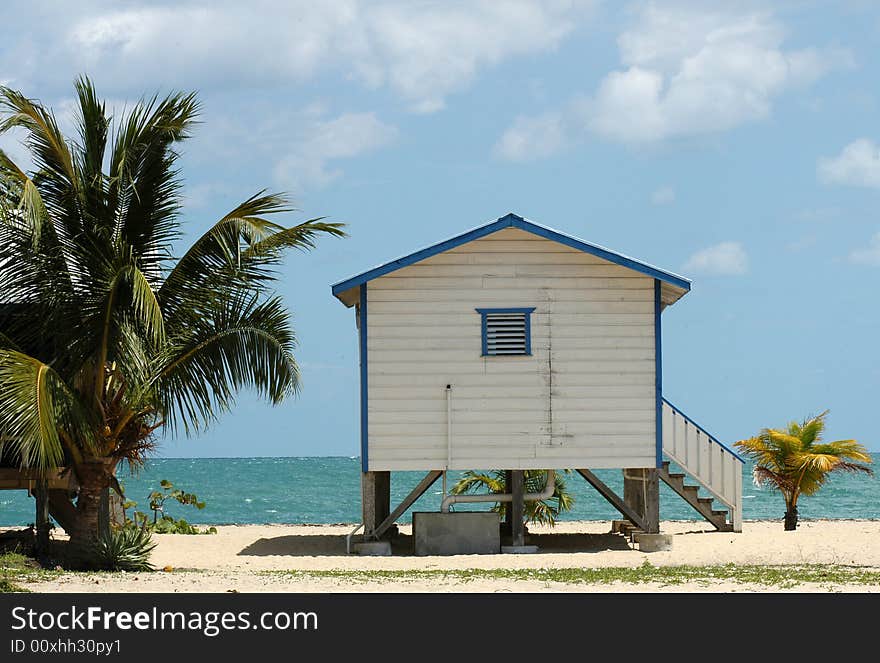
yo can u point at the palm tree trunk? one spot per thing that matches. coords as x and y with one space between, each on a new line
791 518
94 479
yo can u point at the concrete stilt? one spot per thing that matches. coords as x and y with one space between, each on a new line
641 491
516 512
376 498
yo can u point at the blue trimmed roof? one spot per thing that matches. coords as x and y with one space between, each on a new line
514 221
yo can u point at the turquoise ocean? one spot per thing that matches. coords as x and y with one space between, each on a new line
327 490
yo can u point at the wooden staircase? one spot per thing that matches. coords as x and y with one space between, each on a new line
690 494
715 467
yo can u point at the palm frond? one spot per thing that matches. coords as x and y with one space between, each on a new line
783 442
35 405
45 139
473 481
302 236
215 258
57 175
844 449
240 343
144 304
853 468
760 449
143 191
93 126
764 476
30 210
810 431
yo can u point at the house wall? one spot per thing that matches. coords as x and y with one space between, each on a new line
585 398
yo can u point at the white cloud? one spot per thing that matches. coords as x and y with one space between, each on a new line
870 255
724 259
426 51
690 72
691 69
665 195
308 163
858 164
422 51
532 138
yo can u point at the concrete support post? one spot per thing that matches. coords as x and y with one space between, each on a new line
375 498
517 507
641 491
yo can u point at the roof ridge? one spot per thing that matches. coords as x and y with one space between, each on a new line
512 220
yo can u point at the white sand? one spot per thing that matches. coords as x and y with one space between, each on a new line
232 559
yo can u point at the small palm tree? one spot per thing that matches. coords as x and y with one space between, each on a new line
534 481
796 461
106 336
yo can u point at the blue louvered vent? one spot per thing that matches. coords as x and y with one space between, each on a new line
506 331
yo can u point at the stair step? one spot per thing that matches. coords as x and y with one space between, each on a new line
676 481
629 530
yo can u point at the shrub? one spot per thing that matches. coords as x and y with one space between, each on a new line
167 524
125 549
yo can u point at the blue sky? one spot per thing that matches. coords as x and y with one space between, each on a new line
735 143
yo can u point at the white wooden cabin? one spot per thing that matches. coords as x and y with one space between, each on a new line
515 346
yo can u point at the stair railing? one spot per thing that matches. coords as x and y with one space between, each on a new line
715 466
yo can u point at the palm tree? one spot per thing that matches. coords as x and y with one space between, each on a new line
796 461
108 337
534 481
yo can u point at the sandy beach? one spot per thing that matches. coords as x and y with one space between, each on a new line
306 558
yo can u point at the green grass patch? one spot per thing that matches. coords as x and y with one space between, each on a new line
16 568
8 587
782 577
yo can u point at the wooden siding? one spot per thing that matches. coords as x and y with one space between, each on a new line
585 398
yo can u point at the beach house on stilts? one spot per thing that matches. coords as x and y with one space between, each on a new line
514 346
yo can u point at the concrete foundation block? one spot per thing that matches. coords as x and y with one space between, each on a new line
519 550
653 542
461 533
372 548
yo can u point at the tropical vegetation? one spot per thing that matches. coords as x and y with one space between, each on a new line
123 549
109 331
166 523
544 512
795 461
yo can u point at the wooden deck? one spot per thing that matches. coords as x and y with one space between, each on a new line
15 479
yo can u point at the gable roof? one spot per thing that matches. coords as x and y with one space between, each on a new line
675 286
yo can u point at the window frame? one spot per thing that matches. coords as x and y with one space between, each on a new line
484 312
